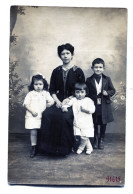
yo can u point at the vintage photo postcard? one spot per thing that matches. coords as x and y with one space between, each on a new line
67 96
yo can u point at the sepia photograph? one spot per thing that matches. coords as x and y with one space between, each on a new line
67 96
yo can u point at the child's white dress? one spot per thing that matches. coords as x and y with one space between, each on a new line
83 122
37 102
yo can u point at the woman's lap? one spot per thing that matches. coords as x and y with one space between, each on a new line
56 131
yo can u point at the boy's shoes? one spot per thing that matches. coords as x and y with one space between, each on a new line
101 144
79 151
33 152
95 144
88 151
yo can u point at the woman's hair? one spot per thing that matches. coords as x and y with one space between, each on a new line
81 86
98 61
66 46
38 77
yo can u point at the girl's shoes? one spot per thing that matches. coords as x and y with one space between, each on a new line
33 152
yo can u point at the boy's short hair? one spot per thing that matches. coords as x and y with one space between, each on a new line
98 61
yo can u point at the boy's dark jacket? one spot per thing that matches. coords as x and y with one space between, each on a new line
107 85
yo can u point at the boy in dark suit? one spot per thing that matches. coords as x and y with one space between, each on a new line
100 90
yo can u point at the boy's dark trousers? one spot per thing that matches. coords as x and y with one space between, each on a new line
99 140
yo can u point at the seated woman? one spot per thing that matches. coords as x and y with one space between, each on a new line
57 127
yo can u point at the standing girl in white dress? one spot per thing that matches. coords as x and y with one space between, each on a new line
83 108
35 103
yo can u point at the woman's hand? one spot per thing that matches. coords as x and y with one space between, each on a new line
58 104
67 100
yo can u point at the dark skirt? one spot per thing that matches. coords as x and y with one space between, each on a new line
56 134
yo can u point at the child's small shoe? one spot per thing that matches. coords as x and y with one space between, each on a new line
79 151
88 151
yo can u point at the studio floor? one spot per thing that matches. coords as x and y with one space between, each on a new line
101 168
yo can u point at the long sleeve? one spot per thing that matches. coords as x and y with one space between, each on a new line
88 106
111 89
91 106
53 88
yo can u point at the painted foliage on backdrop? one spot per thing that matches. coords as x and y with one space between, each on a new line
35 33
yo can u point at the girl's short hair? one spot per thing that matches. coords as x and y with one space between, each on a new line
38 77
66 46
81 86
98 61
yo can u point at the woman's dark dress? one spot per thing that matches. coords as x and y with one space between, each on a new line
57 126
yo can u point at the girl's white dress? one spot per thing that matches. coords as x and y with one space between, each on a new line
83 122
37 102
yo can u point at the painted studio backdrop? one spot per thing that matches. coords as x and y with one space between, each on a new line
35 34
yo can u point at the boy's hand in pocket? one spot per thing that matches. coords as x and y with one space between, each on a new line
105 93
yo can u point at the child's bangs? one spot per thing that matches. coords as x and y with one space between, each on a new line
80 86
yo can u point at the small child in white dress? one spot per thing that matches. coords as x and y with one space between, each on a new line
83 108
35 103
